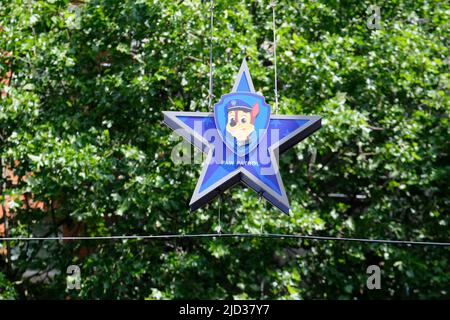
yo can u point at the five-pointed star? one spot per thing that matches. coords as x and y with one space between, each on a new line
259 168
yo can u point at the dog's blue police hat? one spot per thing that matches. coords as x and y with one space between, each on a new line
238 105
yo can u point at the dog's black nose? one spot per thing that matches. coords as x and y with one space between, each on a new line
232 122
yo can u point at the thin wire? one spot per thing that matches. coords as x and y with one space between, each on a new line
273 3
233 235
262 216
211 56
219 228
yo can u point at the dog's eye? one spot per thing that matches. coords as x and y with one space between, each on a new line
232 122
243 120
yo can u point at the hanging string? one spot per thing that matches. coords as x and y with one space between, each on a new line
211 56
274 26
262 215
219 227
265 209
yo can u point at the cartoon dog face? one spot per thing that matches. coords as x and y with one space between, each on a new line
240 123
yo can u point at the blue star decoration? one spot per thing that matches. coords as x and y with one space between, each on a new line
242 141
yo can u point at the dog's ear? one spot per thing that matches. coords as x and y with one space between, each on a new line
254 112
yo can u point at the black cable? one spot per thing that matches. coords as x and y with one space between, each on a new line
232 235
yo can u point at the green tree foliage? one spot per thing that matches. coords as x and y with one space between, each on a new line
83 116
